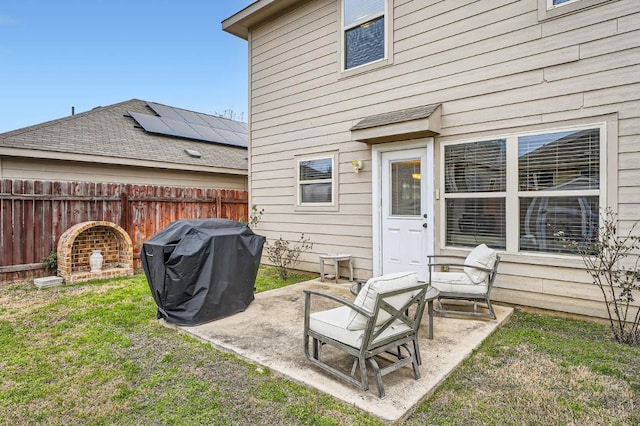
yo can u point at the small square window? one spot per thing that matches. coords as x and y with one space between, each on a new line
316 181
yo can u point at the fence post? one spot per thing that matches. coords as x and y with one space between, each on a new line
218 203
125 211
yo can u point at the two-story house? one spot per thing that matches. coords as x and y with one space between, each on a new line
390 129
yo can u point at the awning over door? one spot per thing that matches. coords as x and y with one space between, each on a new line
410 123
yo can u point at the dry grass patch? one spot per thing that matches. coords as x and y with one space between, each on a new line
538 388
540 371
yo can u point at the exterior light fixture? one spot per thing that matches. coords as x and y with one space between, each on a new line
357 165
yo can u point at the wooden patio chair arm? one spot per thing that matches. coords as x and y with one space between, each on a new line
440 256
358 309
461 265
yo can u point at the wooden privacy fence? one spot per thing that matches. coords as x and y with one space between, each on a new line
35 213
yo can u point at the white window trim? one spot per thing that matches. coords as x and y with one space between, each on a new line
388 42
550 4
547 10
331 206
512 193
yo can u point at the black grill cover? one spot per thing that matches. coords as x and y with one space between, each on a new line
202 269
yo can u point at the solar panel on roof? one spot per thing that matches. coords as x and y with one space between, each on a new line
192 117
217 122
223 123
151 124
181 128
186 125
237 126
164 111
209 133
231 137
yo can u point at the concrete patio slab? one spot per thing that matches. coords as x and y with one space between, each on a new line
270 333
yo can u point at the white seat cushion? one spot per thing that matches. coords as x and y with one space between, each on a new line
367 296
456 282
332 323
483 257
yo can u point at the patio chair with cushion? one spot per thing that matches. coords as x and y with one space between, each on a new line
465 278
382 323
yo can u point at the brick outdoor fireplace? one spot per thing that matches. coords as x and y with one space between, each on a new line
78 242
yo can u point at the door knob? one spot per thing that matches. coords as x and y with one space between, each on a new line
424 225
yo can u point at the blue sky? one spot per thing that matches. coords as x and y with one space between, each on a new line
59 54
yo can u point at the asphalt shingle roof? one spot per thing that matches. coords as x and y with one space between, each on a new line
394 117
111 132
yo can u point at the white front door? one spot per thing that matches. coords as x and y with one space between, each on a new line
406 210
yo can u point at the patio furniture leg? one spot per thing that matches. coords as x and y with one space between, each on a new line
415 363
376 369
492 313
430 314
363 373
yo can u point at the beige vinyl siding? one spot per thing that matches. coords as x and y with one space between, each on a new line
26 168
494 68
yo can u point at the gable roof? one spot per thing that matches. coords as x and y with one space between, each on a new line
256 13
111 135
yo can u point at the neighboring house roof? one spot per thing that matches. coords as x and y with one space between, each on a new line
112 135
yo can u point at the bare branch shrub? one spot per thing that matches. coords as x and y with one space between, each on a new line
612 262
284 256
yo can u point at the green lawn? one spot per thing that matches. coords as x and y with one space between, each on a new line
94 354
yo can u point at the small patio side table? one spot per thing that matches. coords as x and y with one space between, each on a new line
336 258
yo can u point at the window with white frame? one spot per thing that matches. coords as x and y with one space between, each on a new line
550 9
475 185
555 184
316 181
364 33
555 3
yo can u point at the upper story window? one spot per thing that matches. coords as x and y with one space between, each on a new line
551 192
316 181
364 32
549 9
555 3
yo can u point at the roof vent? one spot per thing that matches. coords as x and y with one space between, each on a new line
193 153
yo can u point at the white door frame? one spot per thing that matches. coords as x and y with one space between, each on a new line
376 191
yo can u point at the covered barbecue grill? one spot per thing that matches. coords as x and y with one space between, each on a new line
202 269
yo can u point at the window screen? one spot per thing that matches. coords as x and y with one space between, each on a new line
476 167
472 221
316 181
364 43
557 195
558 163
358 10
364 31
